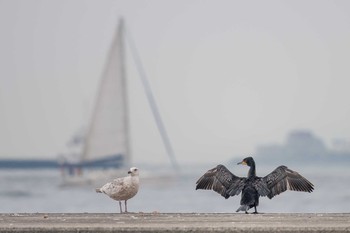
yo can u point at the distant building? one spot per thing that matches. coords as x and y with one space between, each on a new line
304 143
299 144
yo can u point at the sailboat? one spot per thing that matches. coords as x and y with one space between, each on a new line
106 144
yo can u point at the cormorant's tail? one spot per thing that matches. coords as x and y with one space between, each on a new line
243 208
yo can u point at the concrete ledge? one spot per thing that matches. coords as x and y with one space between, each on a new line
176 222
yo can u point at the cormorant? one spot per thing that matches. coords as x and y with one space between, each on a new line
222 181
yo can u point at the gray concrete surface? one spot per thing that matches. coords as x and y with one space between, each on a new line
177 222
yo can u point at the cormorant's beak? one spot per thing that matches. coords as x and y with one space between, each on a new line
243 163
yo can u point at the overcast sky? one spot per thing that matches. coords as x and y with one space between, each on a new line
227 75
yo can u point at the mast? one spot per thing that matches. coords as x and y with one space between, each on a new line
152 102
121 30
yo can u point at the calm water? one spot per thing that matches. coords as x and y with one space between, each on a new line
40 191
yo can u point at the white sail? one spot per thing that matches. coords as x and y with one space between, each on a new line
108 131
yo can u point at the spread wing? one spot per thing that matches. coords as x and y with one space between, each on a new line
282 179
222 181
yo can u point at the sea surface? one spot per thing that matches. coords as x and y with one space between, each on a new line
31 191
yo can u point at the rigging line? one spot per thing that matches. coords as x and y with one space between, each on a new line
151 100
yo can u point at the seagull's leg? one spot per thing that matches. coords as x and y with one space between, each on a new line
120 207
126 208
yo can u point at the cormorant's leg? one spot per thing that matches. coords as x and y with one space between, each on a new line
255 212
120 207
246 212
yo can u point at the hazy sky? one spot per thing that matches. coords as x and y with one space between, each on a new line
227 75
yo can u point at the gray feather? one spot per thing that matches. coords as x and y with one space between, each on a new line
222 181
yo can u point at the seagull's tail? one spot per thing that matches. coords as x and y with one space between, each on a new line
98 191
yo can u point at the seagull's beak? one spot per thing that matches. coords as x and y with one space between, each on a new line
129 172
243 163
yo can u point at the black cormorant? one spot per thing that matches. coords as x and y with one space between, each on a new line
222 181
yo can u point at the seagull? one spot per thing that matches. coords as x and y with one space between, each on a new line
122 189
222 181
